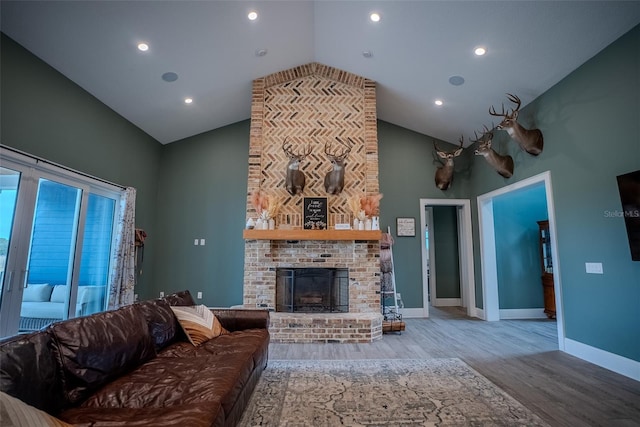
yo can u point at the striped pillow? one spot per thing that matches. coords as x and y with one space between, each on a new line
15 413
199 323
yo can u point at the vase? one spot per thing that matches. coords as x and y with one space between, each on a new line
375 223
265 224
356 223
258 225
360 225
272 224
367 224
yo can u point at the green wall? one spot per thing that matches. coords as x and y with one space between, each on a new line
47 115
407 166
515 218
591 122
447 259
204 189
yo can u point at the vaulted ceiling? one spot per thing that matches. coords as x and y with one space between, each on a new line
418 52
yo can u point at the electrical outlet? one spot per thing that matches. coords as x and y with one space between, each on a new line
161 294
199 295
593 267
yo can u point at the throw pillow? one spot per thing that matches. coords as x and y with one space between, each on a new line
15 413
37 293
199 323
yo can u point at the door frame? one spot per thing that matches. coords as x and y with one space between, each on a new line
488 261
465 248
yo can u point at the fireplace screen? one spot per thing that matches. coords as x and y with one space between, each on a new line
312 290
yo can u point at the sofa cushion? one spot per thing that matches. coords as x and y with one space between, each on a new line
59 293
15 413
208 414
28 371
163 324
94 350
199 323
37 293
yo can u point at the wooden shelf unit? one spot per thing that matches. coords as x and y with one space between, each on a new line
311 234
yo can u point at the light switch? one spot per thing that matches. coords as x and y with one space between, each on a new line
199 295
195 242
161 294
594 267
201 242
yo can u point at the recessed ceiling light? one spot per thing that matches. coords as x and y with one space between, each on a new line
367 53
479 51
261 52
253 15
143 47
438 102
375 17
188 100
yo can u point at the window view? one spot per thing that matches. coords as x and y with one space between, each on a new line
58 264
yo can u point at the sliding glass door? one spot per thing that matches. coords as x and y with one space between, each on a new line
58 232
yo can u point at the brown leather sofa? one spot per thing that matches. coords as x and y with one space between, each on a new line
135 367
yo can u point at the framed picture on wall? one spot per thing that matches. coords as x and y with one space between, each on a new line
405 227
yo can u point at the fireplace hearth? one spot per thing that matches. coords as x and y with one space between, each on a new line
312 290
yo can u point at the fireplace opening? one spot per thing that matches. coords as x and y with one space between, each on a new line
312 290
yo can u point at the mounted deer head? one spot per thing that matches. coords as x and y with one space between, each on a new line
295 178
334 179
502 164
530 140
444 174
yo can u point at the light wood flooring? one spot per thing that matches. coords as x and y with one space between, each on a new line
520 356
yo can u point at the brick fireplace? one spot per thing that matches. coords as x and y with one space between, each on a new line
314 104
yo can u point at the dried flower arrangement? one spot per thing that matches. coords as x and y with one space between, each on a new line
266 206
260 201
371 204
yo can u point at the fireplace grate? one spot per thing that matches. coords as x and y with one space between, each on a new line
312 290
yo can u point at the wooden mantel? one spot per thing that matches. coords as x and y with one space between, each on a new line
311 235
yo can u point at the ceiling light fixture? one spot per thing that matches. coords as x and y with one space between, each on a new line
438 102
261 52
479 51
253 15
367 53
188 100
375 17
143 47
456 80
170 77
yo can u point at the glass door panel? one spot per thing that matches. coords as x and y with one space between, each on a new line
49 275
96 255
9 180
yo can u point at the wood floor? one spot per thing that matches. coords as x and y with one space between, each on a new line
520 356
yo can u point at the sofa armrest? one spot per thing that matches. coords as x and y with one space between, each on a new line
238 319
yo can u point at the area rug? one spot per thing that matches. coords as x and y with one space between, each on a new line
433 392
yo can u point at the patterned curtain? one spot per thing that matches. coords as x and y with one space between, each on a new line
123 273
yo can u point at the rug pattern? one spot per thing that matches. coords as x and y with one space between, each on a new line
376 393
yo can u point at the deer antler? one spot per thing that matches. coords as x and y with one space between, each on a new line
515 100
343 152
299 156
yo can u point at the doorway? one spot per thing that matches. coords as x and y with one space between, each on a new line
488 258
464 242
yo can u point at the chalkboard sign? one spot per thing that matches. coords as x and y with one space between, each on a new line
314 213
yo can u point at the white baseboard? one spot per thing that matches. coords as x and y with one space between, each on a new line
613 362
522 313
413 313
447 302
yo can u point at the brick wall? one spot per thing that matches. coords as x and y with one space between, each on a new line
314 104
